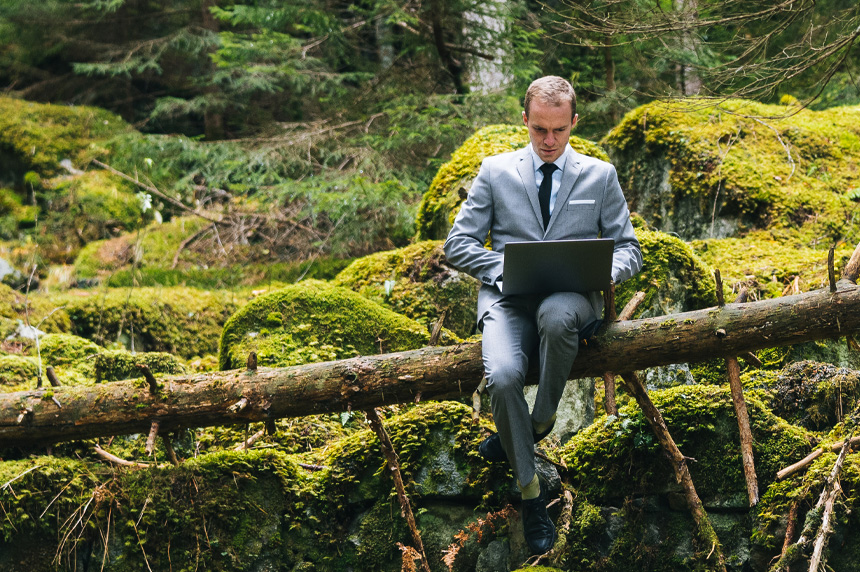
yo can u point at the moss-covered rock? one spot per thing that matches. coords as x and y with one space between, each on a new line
65 350
38 136
81 208
114 365
418 282
18 372
449 188
811 394
703 423
314 321
673 277
768 263
34 307
718 171
182 321
254 510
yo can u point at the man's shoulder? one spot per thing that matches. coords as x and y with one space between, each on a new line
587 161
506 159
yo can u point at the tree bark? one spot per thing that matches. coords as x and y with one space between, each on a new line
67 413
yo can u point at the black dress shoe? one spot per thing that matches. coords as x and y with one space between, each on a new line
491 449
538 528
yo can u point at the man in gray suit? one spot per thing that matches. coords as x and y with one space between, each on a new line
545 191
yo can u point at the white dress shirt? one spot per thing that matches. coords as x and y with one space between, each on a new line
556 175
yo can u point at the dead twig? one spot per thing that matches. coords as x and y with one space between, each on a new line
394 467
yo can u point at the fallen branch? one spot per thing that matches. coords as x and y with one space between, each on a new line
250 440
442 372
807 460
609 402
704 528
122 462
394 466
824 507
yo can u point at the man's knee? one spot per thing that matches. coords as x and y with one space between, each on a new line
562 314
506 375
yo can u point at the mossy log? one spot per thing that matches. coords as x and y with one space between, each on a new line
68 413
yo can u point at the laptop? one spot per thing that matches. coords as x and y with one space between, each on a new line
538 267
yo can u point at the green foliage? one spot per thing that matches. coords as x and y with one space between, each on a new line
320 323
449 188
180 320
116 365
416 281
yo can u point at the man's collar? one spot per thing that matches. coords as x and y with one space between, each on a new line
560 162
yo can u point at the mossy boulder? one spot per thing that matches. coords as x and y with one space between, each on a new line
771 264
714 171
35 307
673 277
65 350
37 136
182 321
703 423
81 208
114 365
810 394
253 510
18 372
418 282
452 182
313 321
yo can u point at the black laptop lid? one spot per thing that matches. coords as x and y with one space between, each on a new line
537 267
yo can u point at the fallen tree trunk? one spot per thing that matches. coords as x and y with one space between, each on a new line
58 414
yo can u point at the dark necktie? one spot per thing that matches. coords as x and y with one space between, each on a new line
545 191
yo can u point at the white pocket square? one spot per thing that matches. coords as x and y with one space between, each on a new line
581 202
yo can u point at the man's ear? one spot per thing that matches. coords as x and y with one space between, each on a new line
526 119
575 119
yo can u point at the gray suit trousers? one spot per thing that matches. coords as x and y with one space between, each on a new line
517 329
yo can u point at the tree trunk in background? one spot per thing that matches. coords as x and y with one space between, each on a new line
689 82
241 396
609 64
213 121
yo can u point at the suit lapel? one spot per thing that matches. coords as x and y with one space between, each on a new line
525 167
572 168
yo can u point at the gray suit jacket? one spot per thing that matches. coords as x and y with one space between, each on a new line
503 202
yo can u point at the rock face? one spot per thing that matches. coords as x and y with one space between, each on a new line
449 188
713 172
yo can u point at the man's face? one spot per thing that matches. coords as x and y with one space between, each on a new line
549 128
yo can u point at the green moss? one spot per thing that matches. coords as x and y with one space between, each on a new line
66 350
767 262
442 200
91 206
673 277
418 282
41 135
619 457
181 321
320 322
708 172
814 395
18 372
119 364
40 310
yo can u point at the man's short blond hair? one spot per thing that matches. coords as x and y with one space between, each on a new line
551 90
